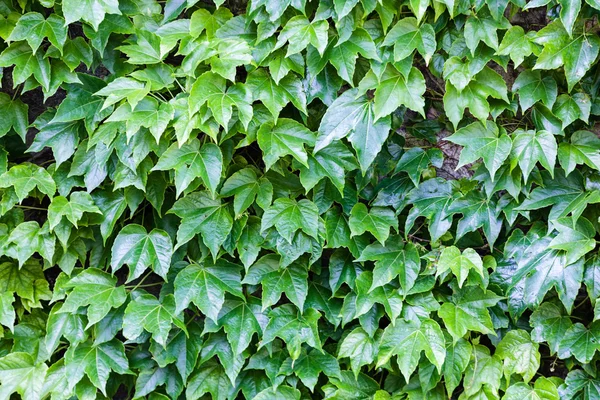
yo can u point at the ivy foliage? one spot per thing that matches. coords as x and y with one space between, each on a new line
299 199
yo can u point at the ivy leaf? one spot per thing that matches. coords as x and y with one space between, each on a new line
239 320
309 366
431 199
291 280
299 32
289 215
211 89
543 389
276 95
517 44
457 359
395 90
530 147
123 88
72 209
461 265
540 268
205 285
14 115
332 162
201 214
532 88
483 373
520 354
96 362
26 64
139 249
407 35
286 137
407 339
570 108
468 311
26 177
483 141
95 289
393 260
415 160
360 348
576 53
209 378
575 238
92 11
584 148
478 212
33 28
286 323
246 187
377 220
474 96
550 324
192 161
349 115
281 392
148 313
483 28
19 373
580 342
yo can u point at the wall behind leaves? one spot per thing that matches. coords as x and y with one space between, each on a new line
299 199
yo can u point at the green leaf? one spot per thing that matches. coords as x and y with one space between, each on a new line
96 362
474 96
468 311
286 137
13 115
393 260
239 320
360 348
26 177
576 53
281 392
123 88
211 89
209 378
543 389
550 324
461 265
299 32
457 359
407 339
276 95
33 28
72 209
92 11
26 64
95 289
19 373
205 285
291 280
415 160
246 187
192 161
395 90
148 313
520 355
532 88
407 35
286 323
530 147
139 249
377 220
584 148
332 162
201 214
483 141
580 342
309 366
483 373
354 117
570 108
289 215
431 199
517 44
482 28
